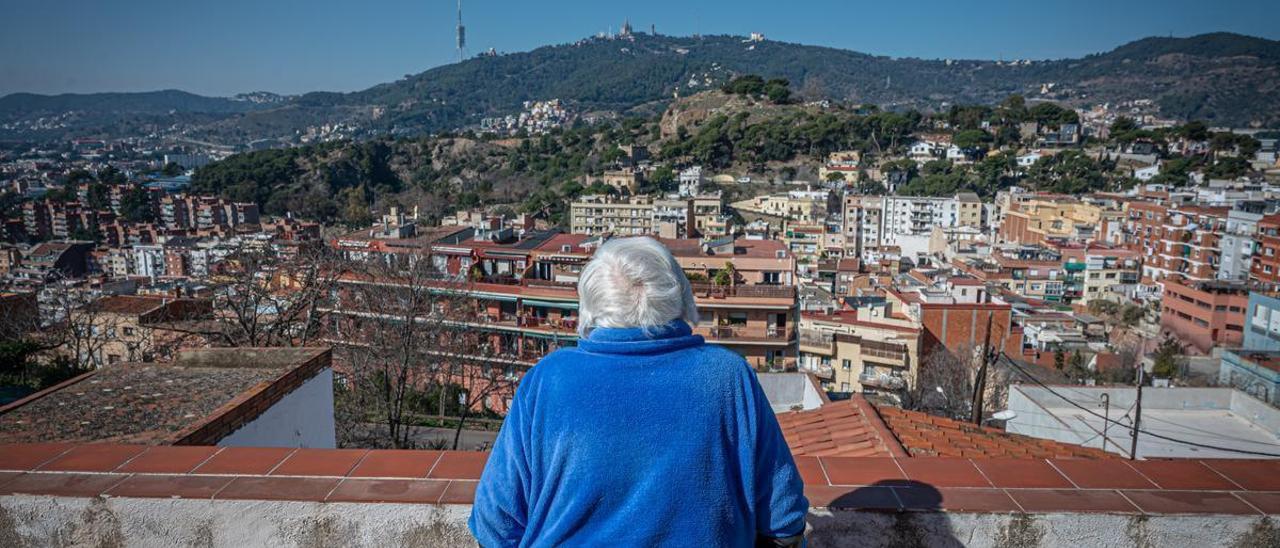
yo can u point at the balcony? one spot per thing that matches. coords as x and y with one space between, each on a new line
131 495
711 291
816 340
746 334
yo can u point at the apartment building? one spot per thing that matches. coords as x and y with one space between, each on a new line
1255 367
600 214
1036 221
1264 263
868 350
133 326
1237 245
806 206
669 216
863 220
1091 271
1189 244
524 291
1204 314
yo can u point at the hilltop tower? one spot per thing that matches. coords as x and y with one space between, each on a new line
626 27
462 35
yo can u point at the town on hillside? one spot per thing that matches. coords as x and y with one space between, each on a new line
1026 281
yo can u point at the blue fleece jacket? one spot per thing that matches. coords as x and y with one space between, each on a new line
635 439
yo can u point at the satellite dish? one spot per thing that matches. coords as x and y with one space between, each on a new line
1005 415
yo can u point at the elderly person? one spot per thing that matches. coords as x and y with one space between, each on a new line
642 435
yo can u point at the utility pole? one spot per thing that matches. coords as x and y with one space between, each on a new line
1106 418
979 387
1137 415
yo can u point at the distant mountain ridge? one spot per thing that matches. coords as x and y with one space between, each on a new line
1226 79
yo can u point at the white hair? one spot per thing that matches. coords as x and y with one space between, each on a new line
633 282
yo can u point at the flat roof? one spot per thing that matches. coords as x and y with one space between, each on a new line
1221 417
151 403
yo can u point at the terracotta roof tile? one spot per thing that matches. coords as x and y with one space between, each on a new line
854 428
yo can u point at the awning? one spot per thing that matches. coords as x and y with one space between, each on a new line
494 297
567 305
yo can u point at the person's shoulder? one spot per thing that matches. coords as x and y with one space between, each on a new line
720 358
718 353
556 361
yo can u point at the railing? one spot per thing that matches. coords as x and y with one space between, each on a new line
707 290
743 332
816 338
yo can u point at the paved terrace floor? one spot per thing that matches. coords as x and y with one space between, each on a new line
141 495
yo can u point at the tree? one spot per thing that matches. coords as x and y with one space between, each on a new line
409 339
136 205
1076 368
262 298
1167 359
835 176
356 207
171 170
727 275
971 139
1194 130
112 176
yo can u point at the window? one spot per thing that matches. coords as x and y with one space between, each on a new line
844 387
1201 322
113 358
128 331
846 365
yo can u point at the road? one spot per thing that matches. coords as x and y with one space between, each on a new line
424 436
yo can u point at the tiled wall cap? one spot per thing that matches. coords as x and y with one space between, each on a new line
879 484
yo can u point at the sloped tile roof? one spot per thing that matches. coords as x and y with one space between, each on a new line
855 428
839 429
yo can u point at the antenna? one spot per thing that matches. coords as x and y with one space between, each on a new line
462 35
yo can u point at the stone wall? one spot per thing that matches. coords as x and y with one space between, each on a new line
29 521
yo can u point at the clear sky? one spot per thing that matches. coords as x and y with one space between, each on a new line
290 46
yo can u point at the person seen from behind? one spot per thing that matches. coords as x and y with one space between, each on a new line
643 434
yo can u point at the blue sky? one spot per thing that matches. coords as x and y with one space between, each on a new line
292 46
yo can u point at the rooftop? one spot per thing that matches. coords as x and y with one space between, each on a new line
1212 417
160 404
857 428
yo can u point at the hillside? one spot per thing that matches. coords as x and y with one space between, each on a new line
1226 79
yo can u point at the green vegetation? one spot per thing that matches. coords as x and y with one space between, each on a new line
777 90
1167 359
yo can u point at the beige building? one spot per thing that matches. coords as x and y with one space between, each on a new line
599 214
807 206
867 350
968 210
127 328
627 180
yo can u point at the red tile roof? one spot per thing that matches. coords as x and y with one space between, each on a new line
855 428
844 429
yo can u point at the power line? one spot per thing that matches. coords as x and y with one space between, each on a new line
1145 432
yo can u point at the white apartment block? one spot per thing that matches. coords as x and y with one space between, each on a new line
668 217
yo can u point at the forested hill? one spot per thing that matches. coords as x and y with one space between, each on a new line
1225 79
1228 79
